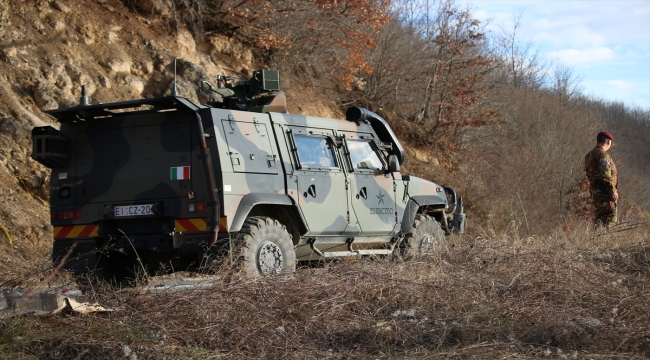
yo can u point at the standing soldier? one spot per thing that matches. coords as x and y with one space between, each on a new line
601 173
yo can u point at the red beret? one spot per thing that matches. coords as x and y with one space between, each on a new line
606 134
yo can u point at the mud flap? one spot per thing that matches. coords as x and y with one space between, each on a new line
458 223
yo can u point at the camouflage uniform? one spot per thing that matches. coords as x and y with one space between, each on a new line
602 176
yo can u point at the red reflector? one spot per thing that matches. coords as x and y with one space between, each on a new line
59 215
53 215
69 214
200 206
77 214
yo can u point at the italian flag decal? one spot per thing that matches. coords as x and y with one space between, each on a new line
180 173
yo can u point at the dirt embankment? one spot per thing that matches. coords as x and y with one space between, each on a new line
49 49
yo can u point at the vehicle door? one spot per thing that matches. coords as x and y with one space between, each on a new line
321 182
372 188
120 160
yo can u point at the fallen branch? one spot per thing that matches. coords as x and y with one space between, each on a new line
54 271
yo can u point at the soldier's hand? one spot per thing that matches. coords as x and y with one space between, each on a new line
615 195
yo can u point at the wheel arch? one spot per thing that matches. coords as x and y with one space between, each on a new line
423 204
277 206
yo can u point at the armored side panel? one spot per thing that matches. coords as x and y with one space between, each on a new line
314 172
250 163
336 171
371 186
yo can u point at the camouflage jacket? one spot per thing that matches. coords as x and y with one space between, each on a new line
601 172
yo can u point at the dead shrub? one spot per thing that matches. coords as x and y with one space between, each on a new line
499 295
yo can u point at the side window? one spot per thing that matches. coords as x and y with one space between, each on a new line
315 151
363 156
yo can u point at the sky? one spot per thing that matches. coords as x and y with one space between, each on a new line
606 43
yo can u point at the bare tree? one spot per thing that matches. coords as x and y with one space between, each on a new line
430 70
565 84
520 63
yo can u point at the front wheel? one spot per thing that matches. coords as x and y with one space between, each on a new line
264 247
426 236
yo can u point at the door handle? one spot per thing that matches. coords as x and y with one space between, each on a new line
311 190
363 193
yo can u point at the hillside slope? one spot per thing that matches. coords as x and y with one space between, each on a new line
502 291
50 49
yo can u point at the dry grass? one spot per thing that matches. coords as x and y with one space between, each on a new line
573 294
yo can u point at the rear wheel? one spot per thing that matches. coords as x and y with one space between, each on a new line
426 236
264 247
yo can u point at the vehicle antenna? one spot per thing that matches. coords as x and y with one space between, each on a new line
174 91
83 100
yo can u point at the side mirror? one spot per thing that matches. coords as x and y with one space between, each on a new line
393 163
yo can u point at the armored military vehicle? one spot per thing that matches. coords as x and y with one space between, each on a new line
164 181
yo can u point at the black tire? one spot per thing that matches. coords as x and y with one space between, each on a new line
426 236
264 247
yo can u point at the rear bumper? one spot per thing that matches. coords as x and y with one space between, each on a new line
75 231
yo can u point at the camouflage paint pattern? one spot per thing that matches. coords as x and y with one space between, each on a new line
248 157
115 161
333 172
346 199
603 179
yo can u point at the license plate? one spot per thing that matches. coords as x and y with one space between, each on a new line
133 210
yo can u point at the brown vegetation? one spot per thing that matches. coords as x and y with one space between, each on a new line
317 36
574 294
510 131
430 78
484 115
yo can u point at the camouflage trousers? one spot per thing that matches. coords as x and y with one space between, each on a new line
605 209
